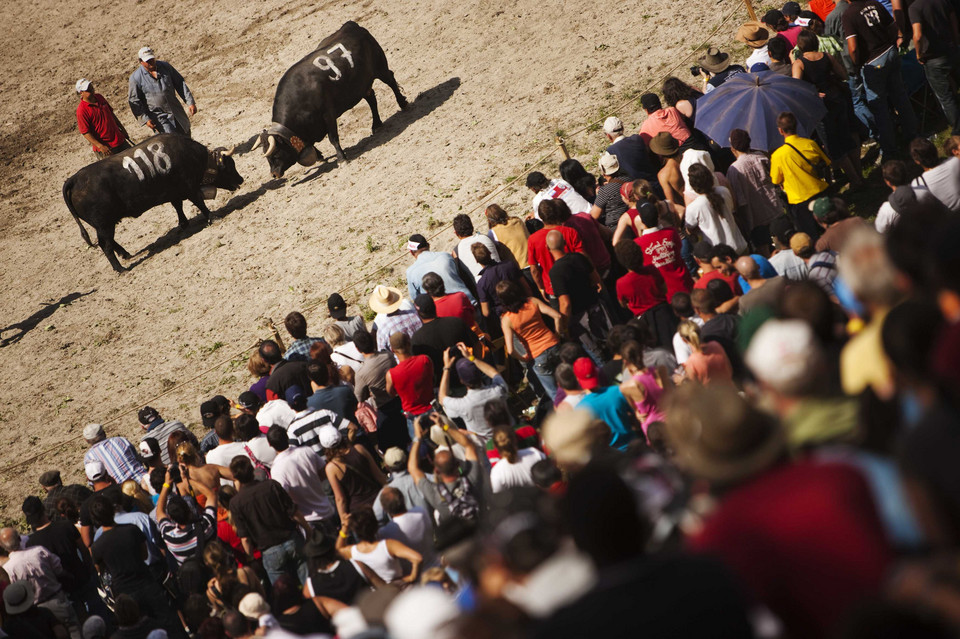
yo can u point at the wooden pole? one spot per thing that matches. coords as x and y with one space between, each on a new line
563 148
753 14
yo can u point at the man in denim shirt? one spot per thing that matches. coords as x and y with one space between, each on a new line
154 88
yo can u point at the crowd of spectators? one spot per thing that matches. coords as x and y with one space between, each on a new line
691 396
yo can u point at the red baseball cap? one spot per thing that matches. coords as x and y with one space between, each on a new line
586 373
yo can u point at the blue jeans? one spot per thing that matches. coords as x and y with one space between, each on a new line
884 88
938 72
285 558
543 367
855 82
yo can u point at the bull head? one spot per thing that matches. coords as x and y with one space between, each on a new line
267 141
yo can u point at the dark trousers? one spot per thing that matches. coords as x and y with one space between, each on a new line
154 603
803 219
939 72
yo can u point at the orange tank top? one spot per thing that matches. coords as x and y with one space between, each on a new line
528 324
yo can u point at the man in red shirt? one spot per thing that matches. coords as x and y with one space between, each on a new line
541 261
97 122
703 253
455 304
661 250
642 287
590 235
411 379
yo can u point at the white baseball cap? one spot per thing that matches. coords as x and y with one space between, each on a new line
145 54
83 85
92 431
95 470
609 164
329 436
785 355
612 125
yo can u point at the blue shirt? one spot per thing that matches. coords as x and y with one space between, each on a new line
492 275
766 271
609 405
443 265
155 99
632 155
339 399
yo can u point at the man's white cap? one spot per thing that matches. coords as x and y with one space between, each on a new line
145 54
609 163
95 470
83 85
92 431
329 436
612 125
785 355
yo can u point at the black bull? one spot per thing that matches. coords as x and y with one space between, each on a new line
318 89
165 168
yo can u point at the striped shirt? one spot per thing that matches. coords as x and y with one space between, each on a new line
119 458
161 432
182 543
397 322
305 429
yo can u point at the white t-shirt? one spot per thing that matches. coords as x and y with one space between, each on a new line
505 475
262 450
414 529
347 355
887 217
564 191
787 264
757 57
944 182
469 408
680 348
222 454
688 159
465 255
718 227
300 471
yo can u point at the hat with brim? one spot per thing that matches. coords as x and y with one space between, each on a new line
715 61
753 33
18 597
719 437
664 144
385 299
319 545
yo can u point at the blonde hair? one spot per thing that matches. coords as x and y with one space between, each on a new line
690 333
256 365
131 488
334 335
187 454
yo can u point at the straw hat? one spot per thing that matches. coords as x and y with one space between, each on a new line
385 299
753 33
718 436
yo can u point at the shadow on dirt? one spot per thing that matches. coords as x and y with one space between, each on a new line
196 224
34 320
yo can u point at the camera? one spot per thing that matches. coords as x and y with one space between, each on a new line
695 71
175 476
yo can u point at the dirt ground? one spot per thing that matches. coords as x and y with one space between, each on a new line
490 84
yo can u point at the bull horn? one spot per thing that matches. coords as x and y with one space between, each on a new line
230 152
271 145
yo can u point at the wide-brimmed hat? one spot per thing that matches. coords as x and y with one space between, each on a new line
19 596
753 33
718 436
715 61
385 299
664 144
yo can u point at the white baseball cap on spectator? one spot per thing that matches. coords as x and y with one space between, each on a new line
146 54
785 355
329 436
612 125
83 85
609 164
95 470
93 432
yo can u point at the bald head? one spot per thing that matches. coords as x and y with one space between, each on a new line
445 463
555 241
747 268
10 539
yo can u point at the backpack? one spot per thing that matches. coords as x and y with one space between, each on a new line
461 502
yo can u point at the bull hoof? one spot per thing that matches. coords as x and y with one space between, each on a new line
377 126
341 159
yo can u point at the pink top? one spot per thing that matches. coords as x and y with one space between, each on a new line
666 119
649 408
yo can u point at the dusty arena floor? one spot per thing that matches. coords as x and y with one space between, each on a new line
490 83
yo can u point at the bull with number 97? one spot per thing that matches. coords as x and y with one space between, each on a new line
164 168
317 90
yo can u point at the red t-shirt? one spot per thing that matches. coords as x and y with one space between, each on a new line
661 250
456 305
413 381
806 539
713 275
99 119
641 291
589 230
538 255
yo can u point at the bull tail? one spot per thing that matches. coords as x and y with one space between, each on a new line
68 199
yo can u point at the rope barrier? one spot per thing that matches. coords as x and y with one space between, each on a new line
9 470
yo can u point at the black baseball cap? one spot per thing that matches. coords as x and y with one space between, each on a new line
248 400
791 9
426 307
32 510
148 415
335 304
209 411
417 242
